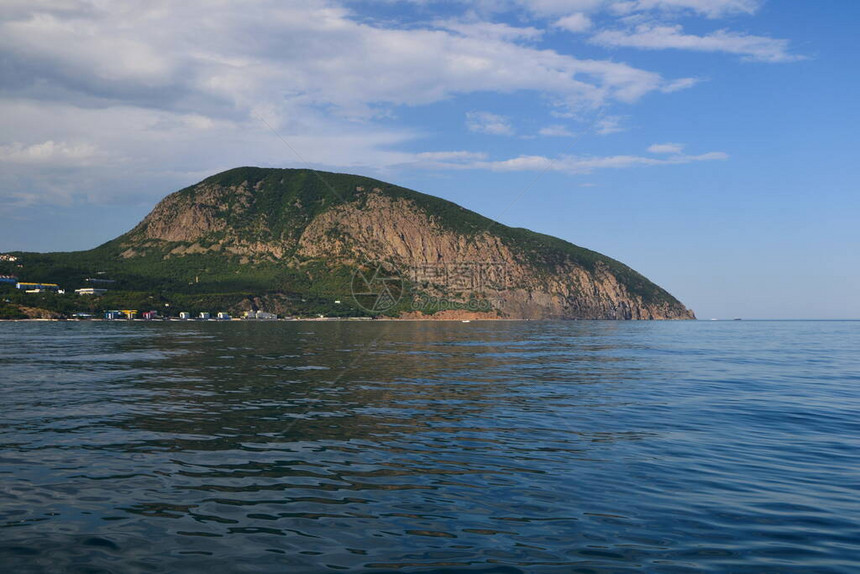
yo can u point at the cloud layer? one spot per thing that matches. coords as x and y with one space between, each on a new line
575 164
650 37
93 91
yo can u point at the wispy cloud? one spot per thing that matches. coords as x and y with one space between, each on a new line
609 125
166 92
678 85
173 92
709 8
571 164
51 153
588 164
491 30
651 37
576 22
556 130
311 53
454 156
610 20
488 123
670 148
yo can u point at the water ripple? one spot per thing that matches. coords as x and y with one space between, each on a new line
496 448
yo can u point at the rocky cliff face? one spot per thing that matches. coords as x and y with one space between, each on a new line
382 228
188 217
443 252
200 221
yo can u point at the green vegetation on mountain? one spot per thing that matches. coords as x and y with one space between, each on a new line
291 240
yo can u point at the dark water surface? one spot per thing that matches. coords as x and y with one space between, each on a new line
449 447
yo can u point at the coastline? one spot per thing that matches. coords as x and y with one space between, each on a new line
348 320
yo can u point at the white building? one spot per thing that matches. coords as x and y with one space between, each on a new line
260 315
90 291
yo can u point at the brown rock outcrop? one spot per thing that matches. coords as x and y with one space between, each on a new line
381 228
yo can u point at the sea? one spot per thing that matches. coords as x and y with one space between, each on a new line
432 447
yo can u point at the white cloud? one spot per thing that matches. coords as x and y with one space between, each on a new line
669 148
651 37
576 22
709 8
50 153
658 32
609 125
556 130
491 30
172 94
570 164
678 85
441 160
588 164
451 155
307 53
173 91
167 150
488 123
557 7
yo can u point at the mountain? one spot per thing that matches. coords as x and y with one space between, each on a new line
300 241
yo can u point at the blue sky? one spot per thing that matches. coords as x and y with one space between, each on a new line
709 144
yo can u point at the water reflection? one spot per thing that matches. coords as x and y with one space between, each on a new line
498 447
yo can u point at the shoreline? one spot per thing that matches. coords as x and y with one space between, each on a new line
279 320
365 320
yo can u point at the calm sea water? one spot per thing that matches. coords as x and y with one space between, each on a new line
430 447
